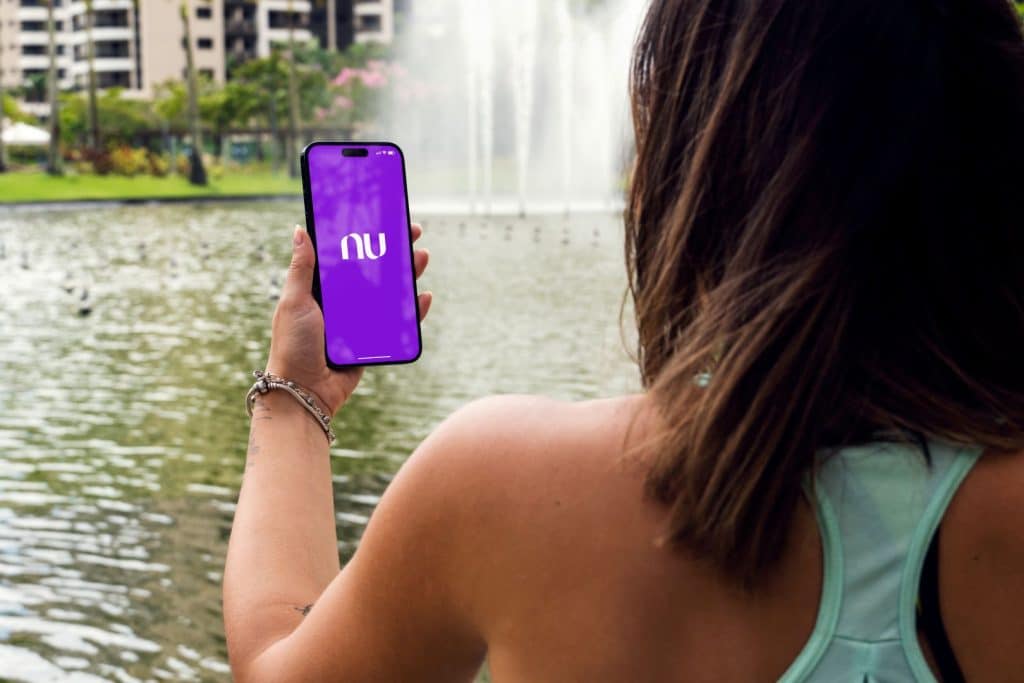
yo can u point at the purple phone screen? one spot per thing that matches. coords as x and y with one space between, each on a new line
365 255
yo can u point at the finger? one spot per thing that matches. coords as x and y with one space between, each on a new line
424 301
420 259
417 231
299 283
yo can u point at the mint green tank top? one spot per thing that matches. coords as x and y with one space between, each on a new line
878 507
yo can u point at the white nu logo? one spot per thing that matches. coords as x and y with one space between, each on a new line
364 249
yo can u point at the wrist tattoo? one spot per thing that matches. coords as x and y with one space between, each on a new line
260 410
252 452
304 610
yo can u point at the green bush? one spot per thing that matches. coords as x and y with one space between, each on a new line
159 166
129 162
99 160
25 155
181 164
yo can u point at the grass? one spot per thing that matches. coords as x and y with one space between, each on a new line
36 186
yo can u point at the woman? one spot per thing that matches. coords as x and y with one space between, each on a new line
823 239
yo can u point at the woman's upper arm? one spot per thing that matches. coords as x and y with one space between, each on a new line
402 609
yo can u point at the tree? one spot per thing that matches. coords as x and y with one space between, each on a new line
170 102
291 153
291 150
294 102
90 47
35 88
265 80
126 121
53 161
3 104
196 174
264 83
221 108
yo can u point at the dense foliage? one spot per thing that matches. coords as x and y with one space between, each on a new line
336 90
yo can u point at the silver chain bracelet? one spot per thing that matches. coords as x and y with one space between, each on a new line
265 382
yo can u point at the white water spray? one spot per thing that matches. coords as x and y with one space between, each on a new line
522 104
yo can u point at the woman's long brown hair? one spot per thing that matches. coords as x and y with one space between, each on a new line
825 214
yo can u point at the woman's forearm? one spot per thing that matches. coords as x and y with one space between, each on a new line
283 550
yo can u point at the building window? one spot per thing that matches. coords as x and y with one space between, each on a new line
368 22
206 73
33 26
111 19
205 43
33 50
115 48
204 12
277 19
113 79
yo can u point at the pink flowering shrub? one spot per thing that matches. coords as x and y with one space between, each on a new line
360 90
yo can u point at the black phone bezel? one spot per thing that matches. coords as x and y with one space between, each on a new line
307 196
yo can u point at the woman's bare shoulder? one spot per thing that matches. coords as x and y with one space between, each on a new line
990 503
503 457
529 435
518 483
982 566
504 413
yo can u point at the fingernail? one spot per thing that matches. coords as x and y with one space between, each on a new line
299 237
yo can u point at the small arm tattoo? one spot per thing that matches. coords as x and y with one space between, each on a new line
304 610
253 451
260 410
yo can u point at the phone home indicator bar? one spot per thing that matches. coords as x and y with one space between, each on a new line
372 357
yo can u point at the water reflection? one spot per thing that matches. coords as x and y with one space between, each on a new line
122 431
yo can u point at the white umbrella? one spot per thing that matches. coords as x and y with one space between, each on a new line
24 134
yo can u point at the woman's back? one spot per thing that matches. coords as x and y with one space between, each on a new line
823 221
572 588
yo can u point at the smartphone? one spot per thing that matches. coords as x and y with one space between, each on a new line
357 217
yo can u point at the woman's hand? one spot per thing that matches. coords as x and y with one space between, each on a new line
297 337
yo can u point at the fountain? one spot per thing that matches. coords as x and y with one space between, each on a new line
516 105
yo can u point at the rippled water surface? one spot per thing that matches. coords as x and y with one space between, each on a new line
127 335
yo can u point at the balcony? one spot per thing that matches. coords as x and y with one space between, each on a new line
281 21
240 27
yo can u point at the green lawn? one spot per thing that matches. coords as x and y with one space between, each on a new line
38 187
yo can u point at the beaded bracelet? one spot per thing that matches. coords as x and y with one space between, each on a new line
266 382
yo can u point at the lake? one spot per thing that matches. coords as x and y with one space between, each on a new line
127 340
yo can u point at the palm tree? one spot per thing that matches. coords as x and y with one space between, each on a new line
196 174
332 26
293 89
90 47
293 97
53 165
3 99
291 135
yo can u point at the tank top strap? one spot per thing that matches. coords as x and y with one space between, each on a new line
878 506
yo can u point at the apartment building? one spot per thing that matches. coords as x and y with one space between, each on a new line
374 21
162 34
253 27
24 43
137 45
